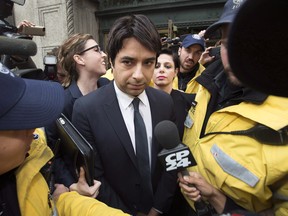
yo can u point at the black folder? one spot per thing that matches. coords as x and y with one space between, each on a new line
76 151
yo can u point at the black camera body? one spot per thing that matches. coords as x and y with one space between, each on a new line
33 30
215 51
50 70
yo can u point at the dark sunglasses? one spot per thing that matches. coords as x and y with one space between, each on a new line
96 47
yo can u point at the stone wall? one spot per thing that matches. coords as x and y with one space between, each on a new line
60 18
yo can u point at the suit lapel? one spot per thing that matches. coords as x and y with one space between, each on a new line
155 119
114 115
154 108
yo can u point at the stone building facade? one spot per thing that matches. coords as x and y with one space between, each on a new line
62 18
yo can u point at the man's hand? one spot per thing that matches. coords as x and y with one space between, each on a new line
24 23
205 57
83 188
201 33
201 189
153 212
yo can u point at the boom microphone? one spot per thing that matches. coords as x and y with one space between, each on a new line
177 156
15 46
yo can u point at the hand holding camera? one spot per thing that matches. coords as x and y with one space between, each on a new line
33 30
28 28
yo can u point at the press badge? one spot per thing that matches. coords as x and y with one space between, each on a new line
189 121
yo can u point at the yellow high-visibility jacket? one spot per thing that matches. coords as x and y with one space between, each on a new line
192 85
253 174
32 188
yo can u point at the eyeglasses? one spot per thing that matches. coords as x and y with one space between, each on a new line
96 47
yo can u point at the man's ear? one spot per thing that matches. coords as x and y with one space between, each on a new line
112 66
179 51
78 59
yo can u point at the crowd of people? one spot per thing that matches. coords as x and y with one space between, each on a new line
235 129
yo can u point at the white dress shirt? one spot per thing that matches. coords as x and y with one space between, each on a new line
127 110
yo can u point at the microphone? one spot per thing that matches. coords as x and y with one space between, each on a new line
15 46
177 156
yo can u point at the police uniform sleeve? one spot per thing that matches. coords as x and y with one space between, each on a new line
73 204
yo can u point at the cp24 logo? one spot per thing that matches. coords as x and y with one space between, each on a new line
179 159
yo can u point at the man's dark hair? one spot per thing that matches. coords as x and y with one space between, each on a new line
137 26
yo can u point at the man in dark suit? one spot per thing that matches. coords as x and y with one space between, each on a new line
105 118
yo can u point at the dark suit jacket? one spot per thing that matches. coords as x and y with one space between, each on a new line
182 104
62 174
98 117
73 92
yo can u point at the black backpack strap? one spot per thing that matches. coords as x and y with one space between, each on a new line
262 134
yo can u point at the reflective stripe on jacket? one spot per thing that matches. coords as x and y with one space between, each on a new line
253 174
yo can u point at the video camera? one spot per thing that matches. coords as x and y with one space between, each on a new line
16 49
173 43
170 42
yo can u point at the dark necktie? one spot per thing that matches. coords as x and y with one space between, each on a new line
142 153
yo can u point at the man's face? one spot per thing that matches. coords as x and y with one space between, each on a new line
133 67
224 56
189 57
14 146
